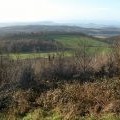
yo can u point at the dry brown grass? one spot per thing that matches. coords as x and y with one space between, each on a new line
64 85
76 100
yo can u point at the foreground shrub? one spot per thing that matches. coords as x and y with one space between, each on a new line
70 101
76 100
27 78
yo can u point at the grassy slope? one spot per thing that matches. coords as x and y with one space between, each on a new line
79 41
76 41
16 56
72 42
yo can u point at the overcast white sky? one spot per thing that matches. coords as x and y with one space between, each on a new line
58 10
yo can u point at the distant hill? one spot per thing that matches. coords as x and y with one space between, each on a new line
99 32
27 23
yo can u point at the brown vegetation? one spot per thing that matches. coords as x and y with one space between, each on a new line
74 86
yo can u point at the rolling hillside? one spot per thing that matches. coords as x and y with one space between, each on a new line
99 32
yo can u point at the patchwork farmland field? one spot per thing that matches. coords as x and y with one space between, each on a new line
68 44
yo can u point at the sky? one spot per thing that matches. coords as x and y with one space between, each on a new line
59 10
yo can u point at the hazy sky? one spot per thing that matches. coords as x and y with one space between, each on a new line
59 10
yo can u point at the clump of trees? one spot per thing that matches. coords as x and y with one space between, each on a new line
31 42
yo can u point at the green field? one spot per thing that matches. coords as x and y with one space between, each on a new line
77 41
73 43
16 56
30 55
92 46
